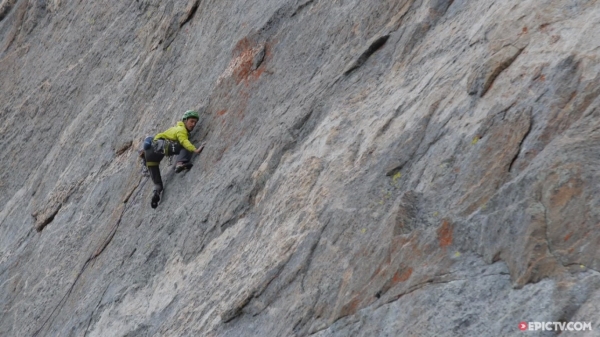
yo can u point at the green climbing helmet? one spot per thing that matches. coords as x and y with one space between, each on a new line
190 114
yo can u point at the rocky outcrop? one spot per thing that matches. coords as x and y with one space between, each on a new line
384 168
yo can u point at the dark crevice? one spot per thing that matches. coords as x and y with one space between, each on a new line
98 251
388 123
301 122
191 13
270 276
498 70
302 6
441 133
237 310
232 221
375 46
274 22
177 22
49 219
420 134
123 148
512 162
259 58
311 253
396 169
302 327
306 124
272 166
276 279
398 112
5 8
284 274
95 309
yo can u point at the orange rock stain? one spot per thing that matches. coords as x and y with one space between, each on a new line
445 234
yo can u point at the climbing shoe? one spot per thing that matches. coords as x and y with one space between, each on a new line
155 199
183 166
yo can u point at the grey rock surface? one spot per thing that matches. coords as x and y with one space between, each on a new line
388 168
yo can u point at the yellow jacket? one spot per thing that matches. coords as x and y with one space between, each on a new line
179 134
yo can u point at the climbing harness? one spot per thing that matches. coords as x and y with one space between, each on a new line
166 147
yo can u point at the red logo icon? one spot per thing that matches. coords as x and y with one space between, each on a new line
523 326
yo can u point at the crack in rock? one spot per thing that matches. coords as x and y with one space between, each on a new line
374 46
96 253
482 78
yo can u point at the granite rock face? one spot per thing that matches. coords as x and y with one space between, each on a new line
388 168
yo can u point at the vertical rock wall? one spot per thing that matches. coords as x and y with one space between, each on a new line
389 168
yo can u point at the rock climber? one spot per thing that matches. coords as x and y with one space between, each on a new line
173 141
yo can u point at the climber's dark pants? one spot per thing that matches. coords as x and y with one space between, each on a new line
153 161
184 156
